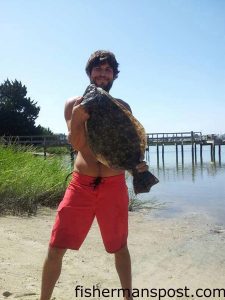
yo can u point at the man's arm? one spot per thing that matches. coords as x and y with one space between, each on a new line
76 117
68 112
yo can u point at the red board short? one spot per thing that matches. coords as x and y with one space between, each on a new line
81 203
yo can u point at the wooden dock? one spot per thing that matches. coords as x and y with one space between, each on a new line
180 139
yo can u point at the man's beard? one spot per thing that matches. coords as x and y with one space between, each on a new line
105 87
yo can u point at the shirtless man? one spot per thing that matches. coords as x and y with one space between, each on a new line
108 201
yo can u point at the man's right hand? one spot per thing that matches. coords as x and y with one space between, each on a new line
77 125
75 117
78 113
77 101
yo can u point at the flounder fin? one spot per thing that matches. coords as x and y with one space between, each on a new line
143 181
102 160
91 88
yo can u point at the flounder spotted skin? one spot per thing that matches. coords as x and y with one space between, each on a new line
116 138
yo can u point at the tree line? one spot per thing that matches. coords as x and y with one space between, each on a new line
18 112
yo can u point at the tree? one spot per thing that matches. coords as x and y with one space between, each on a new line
17 112
43 130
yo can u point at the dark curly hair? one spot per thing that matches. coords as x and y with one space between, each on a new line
99 57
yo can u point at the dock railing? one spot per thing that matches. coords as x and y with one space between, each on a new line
174 137
37 140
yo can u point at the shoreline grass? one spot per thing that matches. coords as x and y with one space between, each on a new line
62 150
27 181
136 204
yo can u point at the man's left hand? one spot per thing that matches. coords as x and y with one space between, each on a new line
142 167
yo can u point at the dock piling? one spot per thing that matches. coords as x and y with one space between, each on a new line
182 153
176 152
195 146
201 160
219 154
157 149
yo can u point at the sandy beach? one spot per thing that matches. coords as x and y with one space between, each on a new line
167 253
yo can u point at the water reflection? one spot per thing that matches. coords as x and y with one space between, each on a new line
184 163
187 185
185 171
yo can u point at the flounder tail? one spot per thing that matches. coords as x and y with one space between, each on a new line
143 181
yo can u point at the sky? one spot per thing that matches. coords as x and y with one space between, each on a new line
171 55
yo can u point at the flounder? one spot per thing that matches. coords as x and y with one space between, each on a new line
115 136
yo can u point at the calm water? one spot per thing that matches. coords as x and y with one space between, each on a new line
189 187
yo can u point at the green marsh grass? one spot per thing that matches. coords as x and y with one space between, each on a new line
136 204
63 150
27 181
